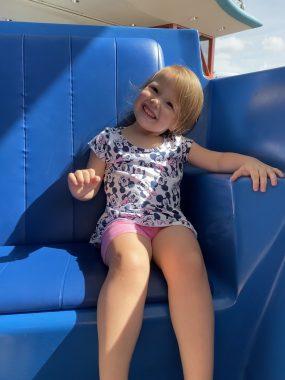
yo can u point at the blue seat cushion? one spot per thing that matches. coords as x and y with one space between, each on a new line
58 277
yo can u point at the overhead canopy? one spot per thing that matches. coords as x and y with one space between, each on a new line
211 17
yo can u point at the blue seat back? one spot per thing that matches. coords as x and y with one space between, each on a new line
57 92
247 115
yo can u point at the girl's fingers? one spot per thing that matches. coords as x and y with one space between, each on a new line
79 177
235 175
262 179
259 176
272 176
91 172
279 172
93 177
72 179
239 172
255 179
86 176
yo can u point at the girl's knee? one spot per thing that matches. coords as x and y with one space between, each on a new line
132 261
129 252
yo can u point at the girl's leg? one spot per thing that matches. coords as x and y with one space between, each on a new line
176 251
121 303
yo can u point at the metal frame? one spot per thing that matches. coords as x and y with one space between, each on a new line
208 66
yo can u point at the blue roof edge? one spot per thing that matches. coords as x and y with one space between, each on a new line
239 14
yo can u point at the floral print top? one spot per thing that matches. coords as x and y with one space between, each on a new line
141 184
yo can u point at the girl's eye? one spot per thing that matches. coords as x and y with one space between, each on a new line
154 89
170 105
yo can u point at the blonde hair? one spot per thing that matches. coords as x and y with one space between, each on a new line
190 95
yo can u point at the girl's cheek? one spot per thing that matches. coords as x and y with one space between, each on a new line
138 102
169 114
144 93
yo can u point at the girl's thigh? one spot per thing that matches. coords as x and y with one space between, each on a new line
129 250
175 249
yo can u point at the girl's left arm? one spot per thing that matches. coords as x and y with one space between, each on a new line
238 164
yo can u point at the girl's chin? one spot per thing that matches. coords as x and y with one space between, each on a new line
144 116
151 128
146 123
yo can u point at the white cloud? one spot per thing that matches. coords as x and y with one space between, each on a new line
223 57
233 44
273 43
255 49
264 66
223 74
225 65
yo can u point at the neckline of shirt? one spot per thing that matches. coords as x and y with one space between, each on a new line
158 147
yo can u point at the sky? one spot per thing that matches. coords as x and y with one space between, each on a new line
254 49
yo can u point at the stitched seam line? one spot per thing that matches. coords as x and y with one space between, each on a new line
25 136
61 293
116 79
72 129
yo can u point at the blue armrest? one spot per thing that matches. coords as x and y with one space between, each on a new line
242 237
237 227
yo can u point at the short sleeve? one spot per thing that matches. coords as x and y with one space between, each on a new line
185 145
100 144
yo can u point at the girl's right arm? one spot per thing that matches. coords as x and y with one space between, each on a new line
84 184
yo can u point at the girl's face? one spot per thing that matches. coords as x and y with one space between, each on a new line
156 108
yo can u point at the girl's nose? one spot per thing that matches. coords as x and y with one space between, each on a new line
155 102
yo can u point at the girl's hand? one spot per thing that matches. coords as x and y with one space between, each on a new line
259 172
82 182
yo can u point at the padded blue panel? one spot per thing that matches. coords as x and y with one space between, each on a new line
12 140
65 276
266 352
62 103
47 108
236 226
93 88
248 113
32 278
207 200
242 236
64 345
178 46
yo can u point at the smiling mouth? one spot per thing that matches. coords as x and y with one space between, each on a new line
148 112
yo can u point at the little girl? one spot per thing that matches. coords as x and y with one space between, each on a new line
142 167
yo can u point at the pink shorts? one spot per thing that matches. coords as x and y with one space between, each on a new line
118 227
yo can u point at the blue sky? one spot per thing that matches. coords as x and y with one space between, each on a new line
255 49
